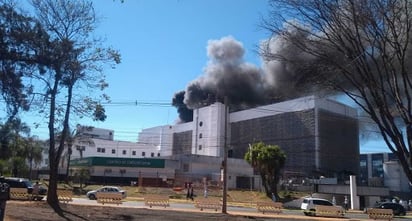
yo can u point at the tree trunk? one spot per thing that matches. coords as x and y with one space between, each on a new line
52 199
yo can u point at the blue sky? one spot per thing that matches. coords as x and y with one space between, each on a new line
163 48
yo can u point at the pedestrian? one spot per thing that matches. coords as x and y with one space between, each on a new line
273 197
334 200
191 193
188 193
36 188
345 203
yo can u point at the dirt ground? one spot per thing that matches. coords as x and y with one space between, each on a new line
33 211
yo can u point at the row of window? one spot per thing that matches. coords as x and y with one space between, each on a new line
124 152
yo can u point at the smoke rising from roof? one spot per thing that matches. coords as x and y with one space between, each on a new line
226 74
244 84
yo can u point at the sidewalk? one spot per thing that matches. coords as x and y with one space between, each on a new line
251 213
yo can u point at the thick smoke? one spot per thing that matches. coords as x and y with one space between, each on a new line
185 114
226 75
244 84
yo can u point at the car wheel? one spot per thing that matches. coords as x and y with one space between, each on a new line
92 197
313 212
306 213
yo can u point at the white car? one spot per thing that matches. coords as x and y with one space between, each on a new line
308 205
107 189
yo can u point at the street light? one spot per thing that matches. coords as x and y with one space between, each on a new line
225 149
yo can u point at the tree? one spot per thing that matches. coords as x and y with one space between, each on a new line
81 175
268 160
72 62
15 147
17 35
361 49
33 150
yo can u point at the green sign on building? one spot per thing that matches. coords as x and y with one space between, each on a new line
119 162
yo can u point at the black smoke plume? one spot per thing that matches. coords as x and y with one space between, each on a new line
185 114
244 84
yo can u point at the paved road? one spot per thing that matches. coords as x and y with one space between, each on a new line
246 211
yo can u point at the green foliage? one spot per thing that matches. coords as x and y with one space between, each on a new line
52 57
17 149
268 160
81 176
19 167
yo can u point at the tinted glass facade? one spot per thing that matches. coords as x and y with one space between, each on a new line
182 143
338 144
295 133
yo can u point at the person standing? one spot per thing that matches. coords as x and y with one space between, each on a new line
36 189
273 197
188 193
345 203
191 193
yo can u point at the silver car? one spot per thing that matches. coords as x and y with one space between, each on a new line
309 204
107 189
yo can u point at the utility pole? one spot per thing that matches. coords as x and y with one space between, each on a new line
224 199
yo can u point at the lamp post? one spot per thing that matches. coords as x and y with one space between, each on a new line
224 199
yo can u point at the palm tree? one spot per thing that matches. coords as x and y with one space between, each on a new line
70 139
34 150
268 160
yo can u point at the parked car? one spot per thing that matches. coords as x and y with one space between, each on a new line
398 209
107 189
308 205
15 182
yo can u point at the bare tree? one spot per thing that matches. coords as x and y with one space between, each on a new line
73 68
358 48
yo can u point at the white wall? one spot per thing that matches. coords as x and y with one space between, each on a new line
394 177
94 132
107 148
209 130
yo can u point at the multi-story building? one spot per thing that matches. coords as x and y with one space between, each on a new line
319 136
383 169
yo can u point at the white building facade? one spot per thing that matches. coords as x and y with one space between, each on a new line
308 129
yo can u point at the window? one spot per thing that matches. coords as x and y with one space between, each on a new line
103 150
158 154
200 147
143 154
124 152
134 153
185 167
200 136
200 123
152 154
113 151
230 153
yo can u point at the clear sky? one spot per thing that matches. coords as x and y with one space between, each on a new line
163 48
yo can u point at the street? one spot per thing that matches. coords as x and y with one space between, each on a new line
238 210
